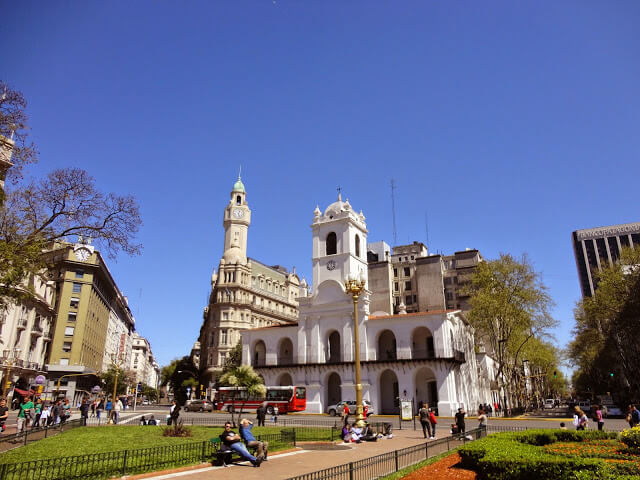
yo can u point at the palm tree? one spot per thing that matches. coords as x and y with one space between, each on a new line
243 377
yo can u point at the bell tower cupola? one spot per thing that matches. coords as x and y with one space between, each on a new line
237 217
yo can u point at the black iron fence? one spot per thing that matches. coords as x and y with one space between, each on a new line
105 465
391 462
33 434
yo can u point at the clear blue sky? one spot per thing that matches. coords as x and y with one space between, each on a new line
510 123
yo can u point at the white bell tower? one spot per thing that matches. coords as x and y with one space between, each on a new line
237 218
339 244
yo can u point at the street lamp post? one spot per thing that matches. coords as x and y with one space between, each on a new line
354 287
11 356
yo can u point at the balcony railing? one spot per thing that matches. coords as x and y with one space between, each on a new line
36 330
423 354
22 323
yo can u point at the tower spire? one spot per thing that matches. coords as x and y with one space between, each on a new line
240 173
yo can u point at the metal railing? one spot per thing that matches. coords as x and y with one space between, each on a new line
34 434
125 462
391 462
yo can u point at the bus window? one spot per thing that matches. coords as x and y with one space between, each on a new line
301 392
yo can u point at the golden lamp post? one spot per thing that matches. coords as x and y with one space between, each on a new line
354 287
10 357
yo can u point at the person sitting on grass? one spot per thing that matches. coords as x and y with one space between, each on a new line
356 433
234 442
346 433
250 441
152 420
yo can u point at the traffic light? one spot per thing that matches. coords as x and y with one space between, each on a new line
555 374
611 374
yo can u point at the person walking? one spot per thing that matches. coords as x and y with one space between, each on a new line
482 419
275 414
93 408
423 415
4 414
66 411
345 413
582 420
99 408
109 408
174 413
460 420
45 415
260 415
84 412
433 422
25 414
635 417
117 408
598 417
38 414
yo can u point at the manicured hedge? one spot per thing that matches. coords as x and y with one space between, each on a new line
519 456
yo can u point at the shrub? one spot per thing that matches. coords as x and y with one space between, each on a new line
518 456
631 438
178 430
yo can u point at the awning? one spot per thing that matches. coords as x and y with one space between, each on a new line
23 392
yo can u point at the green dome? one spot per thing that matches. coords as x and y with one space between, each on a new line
238 186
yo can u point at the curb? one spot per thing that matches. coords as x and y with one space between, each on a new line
188 468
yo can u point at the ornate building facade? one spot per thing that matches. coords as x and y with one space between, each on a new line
245 293
426 355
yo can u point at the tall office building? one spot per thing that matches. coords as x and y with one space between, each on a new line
595 248
87 303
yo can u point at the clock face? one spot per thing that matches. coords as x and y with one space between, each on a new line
238 212
331 265
82 254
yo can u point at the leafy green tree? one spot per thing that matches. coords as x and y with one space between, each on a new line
243 377
126 378
604 346
180 374
150 393
509 307
234 360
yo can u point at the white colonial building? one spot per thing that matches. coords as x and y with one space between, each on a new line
425 356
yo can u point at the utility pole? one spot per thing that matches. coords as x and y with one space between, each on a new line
393 212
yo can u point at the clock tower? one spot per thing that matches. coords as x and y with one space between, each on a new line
237 217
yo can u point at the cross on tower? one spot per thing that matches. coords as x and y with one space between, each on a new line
339 192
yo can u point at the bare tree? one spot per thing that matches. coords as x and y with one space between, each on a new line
14 127
63 205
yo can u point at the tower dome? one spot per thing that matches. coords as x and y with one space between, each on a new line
238 186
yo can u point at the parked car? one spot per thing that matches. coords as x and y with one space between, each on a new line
612 411
585 406
548 404
145 402
338 408
198 406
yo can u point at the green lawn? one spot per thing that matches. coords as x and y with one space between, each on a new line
82 441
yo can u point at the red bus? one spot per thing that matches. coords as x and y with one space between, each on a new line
287 399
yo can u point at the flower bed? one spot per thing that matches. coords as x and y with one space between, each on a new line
552 455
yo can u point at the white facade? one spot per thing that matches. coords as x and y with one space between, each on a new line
119 341
142 362
25 333
425 356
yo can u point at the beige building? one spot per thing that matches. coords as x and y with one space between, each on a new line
410 280
25 334
88 301
245 293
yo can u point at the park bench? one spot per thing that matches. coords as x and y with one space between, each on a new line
222 454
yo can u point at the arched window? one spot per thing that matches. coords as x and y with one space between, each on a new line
357 245
238 200
332 244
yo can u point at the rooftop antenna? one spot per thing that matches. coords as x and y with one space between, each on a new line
393 211
426 227
339 193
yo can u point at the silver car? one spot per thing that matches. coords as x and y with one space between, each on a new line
338 408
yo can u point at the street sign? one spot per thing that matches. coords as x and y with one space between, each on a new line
406 409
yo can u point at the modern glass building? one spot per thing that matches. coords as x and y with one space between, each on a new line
595 248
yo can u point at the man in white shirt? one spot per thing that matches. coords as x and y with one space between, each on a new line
117 408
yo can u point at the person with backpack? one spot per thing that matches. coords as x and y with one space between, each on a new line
423 415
